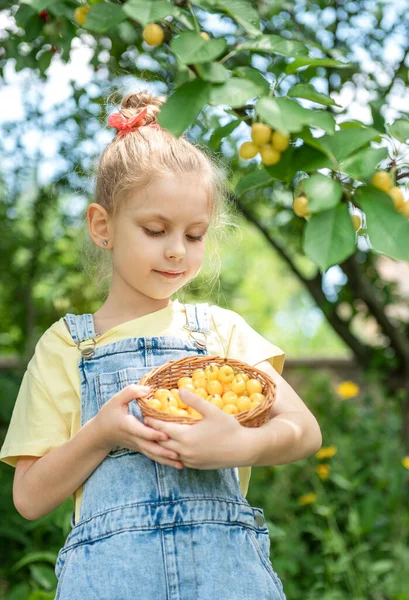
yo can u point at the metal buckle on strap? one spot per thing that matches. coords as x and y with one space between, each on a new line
89 351
201 344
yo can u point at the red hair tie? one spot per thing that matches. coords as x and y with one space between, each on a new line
125 125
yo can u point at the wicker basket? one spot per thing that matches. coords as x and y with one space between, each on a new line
167 376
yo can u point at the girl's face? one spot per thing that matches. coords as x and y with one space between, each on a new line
161 229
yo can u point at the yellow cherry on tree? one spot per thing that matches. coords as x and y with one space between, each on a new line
404 209
382 180
81 13
153 34
269 155
260 133
248 150
300 206
205 35
398 198
356 221
280 141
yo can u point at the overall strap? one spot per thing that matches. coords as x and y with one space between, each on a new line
82 329
81 326
197 322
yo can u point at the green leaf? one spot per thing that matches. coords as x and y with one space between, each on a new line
322 119
341 481
346 141
399 129
286 115
33 557
213 72
149 11
243 13
39 5
363 164
378 119
235 92
20 591
44 61
308 91
388 230
252 181
44 576
284 170
102 17
23 14
304 61
221 132
329 237
289 116
273 44
323 193
191 48
183 106
310 159
253 75
34 27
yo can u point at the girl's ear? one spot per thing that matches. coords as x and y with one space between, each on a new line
98 224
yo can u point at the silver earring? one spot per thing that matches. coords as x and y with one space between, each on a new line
104 243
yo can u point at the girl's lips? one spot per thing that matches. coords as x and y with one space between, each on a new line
169 275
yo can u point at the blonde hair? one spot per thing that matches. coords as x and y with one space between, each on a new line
132 161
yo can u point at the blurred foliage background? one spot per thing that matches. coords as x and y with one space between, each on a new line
339 520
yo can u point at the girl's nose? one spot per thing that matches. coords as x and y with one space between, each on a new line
176 249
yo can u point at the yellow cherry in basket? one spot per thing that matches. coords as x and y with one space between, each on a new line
231 409
183 381
226 374
199 382
253 385
199 373
238 385
170 401
230 398
214 387
216 400
212 372
243 403
161 393
257 397
154 403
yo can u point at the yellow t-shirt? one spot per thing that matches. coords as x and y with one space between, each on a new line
47 410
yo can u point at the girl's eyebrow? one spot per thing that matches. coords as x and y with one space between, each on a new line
166 220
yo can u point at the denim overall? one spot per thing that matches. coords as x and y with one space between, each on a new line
149 531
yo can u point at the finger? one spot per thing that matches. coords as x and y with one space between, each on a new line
130 392
148 433
202 406
173 430
165 457
158 451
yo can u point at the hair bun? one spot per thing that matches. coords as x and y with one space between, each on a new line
133 103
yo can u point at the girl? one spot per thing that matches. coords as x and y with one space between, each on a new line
160 509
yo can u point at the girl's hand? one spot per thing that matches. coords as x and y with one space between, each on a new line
217 441
115 426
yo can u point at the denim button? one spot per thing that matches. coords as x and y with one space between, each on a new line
259 520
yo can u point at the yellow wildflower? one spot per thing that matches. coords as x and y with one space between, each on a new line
405 462
323 471
307 499
327 452
347 390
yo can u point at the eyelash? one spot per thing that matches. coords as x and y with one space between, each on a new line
192 238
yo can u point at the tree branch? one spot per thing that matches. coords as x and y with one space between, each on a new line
362 352
365 291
